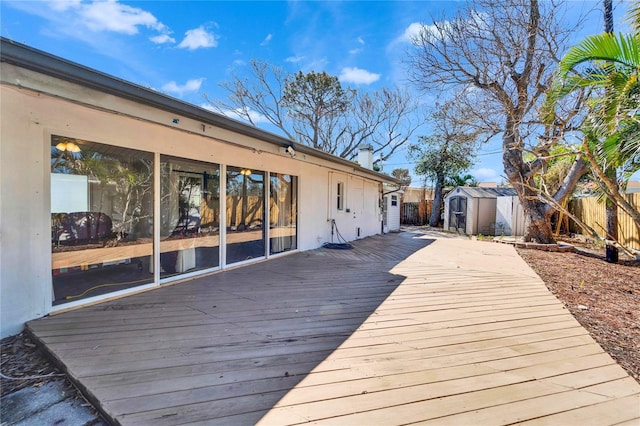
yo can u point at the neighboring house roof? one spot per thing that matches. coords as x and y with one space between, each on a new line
476 192
32 59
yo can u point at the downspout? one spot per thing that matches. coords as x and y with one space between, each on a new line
330 187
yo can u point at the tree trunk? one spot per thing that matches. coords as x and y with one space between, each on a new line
611 211
611 219
437 202
538 213
539 229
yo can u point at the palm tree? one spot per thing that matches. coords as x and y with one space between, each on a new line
606 67
461 180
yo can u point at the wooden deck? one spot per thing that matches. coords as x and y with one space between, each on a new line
403 329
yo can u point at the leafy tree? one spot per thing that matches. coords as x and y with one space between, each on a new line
403 175
461 180
505 51
446 153
316 110
316 102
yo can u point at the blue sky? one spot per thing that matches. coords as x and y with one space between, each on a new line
186 48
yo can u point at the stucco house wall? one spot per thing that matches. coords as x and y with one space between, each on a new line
37 104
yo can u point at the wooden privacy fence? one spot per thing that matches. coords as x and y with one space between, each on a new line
416 213
592 212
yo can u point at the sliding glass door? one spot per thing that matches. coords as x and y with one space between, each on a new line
104 233
189 216
101 218
283 213
245 214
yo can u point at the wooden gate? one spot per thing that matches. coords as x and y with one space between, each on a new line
416 213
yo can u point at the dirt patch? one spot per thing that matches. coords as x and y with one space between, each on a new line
22 358
603 297
25 368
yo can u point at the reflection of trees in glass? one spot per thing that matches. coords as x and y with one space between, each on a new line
245 189
190 193
282 200
118 178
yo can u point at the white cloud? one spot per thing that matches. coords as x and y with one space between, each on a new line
439 30
190 86
74 17
62 5
360 40
266 40
197 38
355 51
485 174
116 17
411 32
358 76
294 59
162 39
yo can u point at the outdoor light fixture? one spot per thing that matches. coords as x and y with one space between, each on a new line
289 150
68 146
245 172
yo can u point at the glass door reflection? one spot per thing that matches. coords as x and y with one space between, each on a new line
245 214
283 213
190 216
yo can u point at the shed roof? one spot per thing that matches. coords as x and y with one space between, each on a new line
476 192
36 60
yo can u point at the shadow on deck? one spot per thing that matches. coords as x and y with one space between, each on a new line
224 348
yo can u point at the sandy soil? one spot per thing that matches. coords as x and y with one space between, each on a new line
603 297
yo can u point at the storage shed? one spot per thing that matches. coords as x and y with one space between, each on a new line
472 210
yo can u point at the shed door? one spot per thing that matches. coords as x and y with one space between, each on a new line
458 214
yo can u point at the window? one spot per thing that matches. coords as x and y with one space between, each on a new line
394 200
101 218
340 196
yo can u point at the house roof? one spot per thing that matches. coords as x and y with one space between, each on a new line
477 192
36 60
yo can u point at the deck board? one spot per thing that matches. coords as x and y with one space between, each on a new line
402 329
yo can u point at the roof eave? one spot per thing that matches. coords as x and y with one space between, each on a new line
36 60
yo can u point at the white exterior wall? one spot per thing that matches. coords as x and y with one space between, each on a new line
486 219
471 220
510 219
445 224
29 119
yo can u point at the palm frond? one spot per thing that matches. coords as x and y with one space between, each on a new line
620 50
633 16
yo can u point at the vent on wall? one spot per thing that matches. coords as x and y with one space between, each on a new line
358 232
